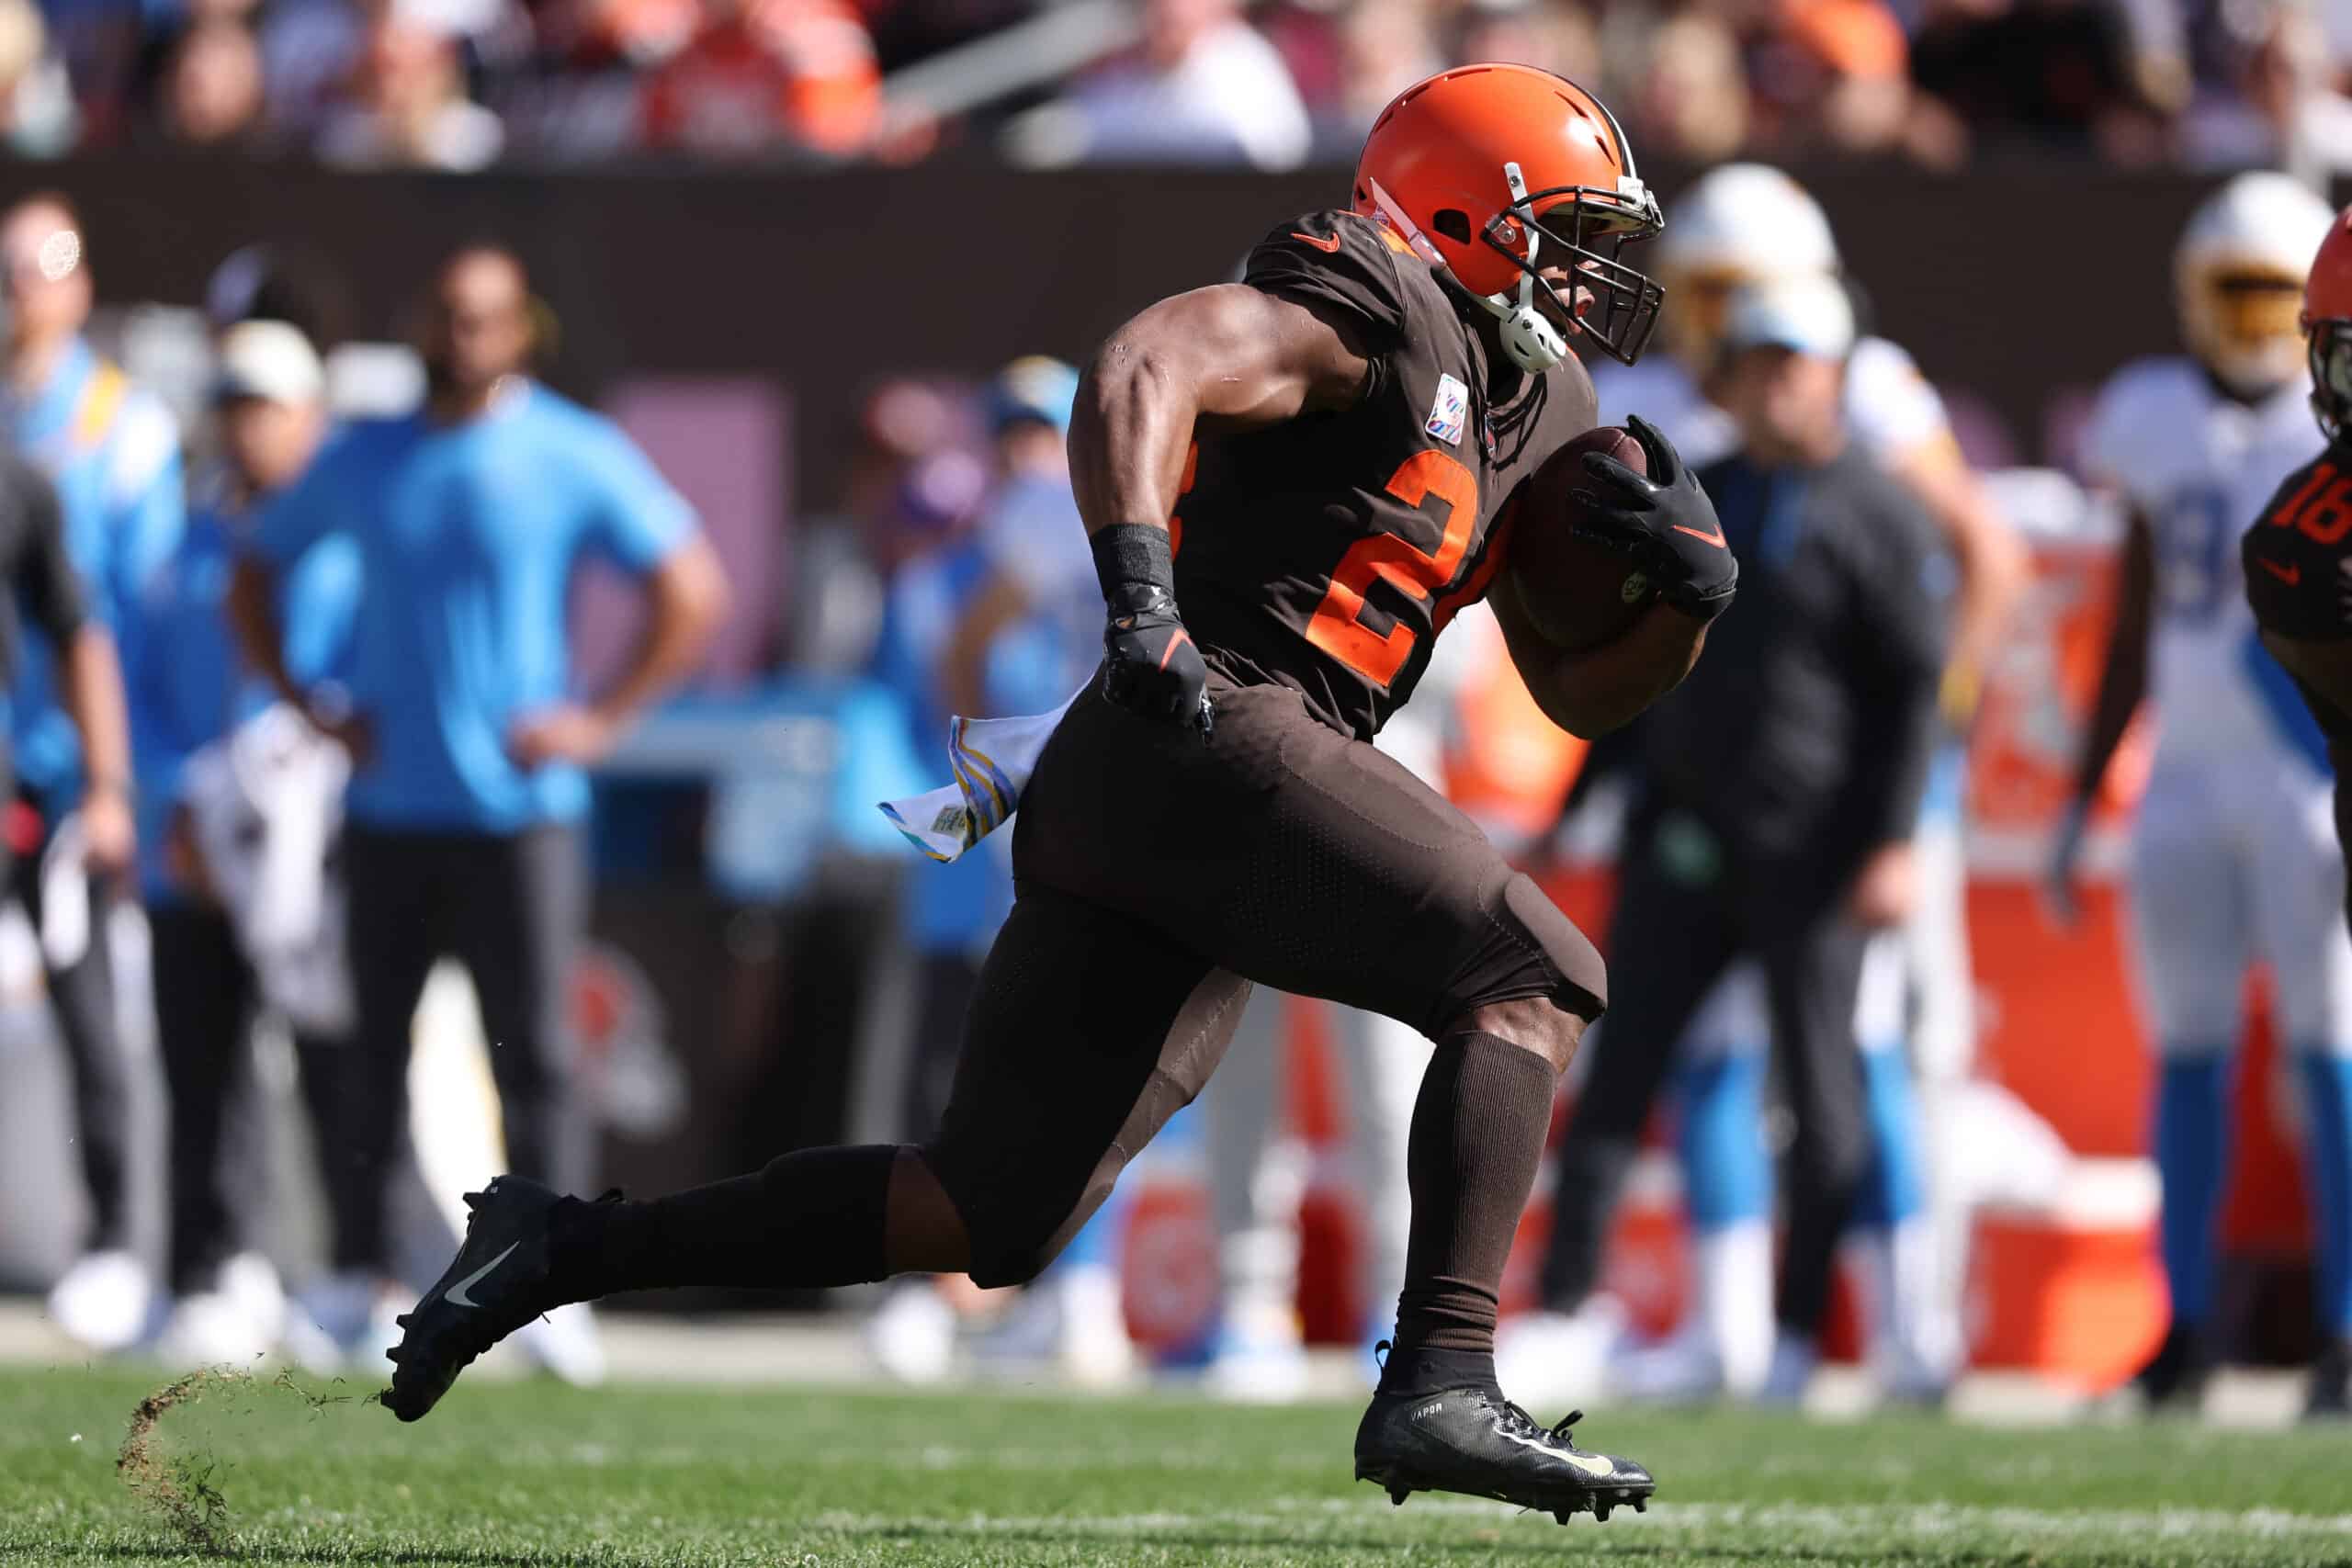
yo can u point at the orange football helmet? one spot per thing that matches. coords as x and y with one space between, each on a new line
1496 173
2327 320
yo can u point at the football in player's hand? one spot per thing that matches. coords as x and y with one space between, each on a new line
1579 593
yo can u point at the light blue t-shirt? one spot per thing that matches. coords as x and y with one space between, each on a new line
113 451
467 537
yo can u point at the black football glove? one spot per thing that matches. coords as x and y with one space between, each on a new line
1662 520
1150 664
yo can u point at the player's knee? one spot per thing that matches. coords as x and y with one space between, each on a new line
1012 1249
1001 1268
1537 1024
1011 1234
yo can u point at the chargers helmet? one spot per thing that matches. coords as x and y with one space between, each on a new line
2238 276
1737 224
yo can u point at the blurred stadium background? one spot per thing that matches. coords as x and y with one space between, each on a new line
785 243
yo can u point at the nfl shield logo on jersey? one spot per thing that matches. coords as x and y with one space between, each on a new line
1450 411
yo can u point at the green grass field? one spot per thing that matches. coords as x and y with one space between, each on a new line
507 1475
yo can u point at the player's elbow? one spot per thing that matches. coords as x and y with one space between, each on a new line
694 585
1129 374
1998 565
1589 715
1590 703
1608 687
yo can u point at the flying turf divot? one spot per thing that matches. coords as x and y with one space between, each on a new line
179 1487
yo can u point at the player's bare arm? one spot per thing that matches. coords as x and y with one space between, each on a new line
2123 684
252 618
1994 566
2124 681
687 598
1213 361
90 678
1224 358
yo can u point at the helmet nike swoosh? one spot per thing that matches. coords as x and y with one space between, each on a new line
458 1291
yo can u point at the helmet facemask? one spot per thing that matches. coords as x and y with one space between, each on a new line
1581 232
2330 360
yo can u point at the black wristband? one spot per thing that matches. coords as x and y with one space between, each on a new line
1133 552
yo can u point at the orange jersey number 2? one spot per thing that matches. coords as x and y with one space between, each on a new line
1338 626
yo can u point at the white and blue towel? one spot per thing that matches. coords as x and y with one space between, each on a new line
993 759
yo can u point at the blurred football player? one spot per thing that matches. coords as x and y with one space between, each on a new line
1291 484
1740 224
113 451
469 752
1811 510
2232 856
192 693
2295 563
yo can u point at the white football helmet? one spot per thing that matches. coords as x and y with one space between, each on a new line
2238 279
1737 224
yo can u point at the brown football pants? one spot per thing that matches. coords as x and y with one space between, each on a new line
1159 875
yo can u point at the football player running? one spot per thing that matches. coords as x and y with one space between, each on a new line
2233 852
2297 566
1740 224
1291 484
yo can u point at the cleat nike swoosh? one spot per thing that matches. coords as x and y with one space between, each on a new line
458 1293
1597 1466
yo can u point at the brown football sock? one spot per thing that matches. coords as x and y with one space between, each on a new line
1477 1136
813 1218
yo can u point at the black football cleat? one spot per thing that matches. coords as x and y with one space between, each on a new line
497 1283
1469 1440
2175 1377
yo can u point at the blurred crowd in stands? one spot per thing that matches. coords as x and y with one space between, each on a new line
461 85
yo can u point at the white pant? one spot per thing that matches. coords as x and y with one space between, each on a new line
1942 970
1256 1199
2235 862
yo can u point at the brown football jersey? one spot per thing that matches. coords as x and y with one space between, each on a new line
1327 552
2298 560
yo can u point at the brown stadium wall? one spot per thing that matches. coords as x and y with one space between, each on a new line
2014 286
